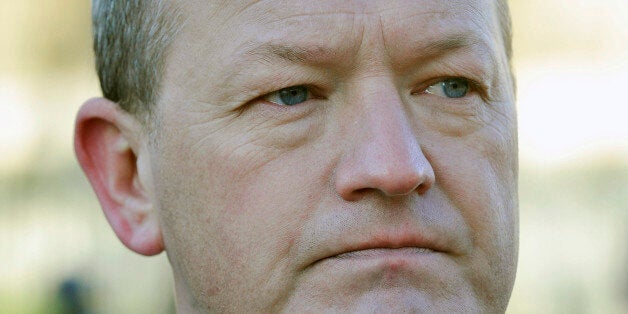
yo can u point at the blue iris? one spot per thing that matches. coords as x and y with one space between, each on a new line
455 87
293 95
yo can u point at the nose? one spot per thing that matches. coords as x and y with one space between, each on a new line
384 153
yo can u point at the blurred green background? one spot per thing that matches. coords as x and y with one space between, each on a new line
571 61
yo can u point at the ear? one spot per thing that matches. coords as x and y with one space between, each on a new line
112 148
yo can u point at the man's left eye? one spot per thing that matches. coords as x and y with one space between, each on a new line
450 88
289 96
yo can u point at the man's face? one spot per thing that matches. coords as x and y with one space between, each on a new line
345 155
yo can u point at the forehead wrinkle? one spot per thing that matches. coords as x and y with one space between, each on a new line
489 30
421 36
269 52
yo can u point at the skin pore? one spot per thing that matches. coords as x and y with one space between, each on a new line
328 155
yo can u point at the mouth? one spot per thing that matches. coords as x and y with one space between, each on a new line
375 253
411 249
379 260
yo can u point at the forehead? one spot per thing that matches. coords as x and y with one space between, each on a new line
219 33
265 20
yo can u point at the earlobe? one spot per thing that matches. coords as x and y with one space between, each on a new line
109 144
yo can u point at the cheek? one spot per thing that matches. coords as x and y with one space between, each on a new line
233 208
478 172
270 205
477 176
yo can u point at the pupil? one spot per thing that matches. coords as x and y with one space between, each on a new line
293 95
455 88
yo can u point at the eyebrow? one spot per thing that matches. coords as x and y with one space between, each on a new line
267 52
446 45
470 45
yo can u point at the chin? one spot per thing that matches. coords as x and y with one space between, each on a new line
394 300
390 291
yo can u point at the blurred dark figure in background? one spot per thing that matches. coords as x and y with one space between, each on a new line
74 296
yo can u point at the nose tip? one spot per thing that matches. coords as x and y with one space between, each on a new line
407 181
402 183
391 171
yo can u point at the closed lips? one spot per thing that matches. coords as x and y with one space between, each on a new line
407 246
384 252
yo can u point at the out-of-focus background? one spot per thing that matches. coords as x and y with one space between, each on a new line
57 253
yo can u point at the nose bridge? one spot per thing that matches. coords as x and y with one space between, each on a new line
388 133
384 153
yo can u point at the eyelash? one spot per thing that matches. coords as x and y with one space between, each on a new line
313 93
473 87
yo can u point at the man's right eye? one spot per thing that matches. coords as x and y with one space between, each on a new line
289 96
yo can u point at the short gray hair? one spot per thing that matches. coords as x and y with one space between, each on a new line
505 24
131 39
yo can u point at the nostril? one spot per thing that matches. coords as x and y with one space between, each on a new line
423 187
356 179
399 184
356 195
427 179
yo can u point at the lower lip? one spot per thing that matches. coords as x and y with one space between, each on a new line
410 266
